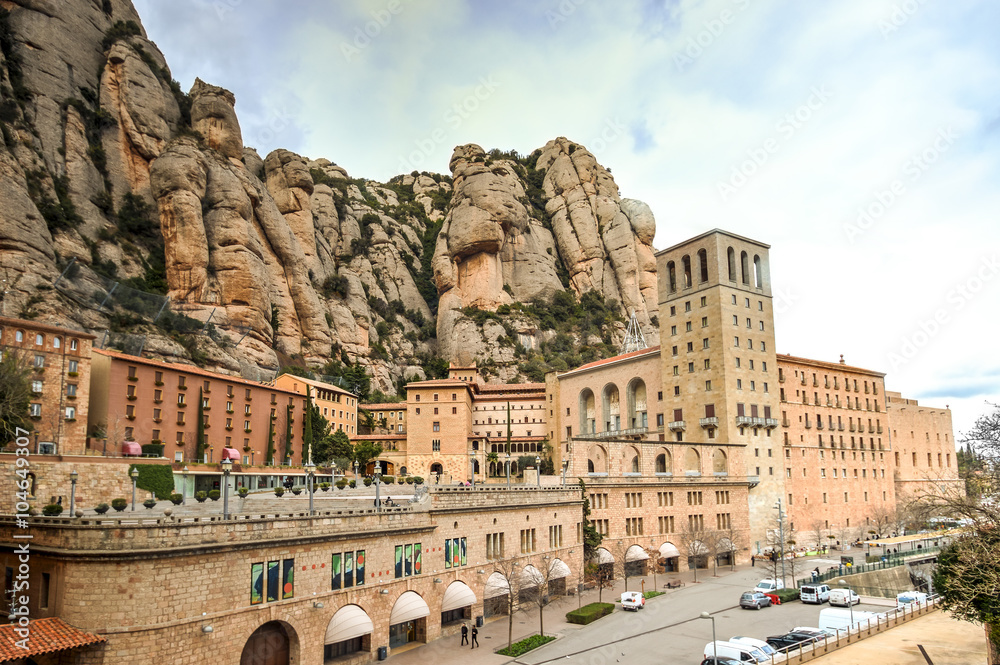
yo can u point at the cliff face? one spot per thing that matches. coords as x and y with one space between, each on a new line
114 179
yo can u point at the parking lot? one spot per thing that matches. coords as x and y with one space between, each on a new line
669 629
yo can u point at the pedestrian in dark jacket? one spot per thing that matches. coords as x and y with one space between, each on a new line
475 637
465 635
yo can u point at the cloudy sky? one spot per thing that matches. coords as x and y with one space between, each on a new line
860 139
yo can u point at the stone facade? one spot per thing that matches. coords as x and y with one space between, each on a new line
161 583
923 448
143 400
60 382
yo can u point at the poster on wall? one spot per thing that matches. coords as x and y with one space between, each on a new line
408 560
348 569
256 584
273 580
288 579
359 568
416 559
399 560
335 571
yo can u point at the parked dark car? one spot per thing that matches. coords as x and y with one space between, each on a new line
754 600
789 640
720 661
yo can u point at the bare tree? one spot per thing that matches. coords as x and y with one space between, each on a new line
539 577
511 573
817 532
654 557
600 576
15 393
731 540
692 537
619 550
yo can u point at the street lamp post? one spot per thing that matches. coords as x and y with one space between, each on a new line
850 605
310 480
227 468
135 477
715 648
507 465
472 467
565 466
73 475
184 487
781 536
378 484
538 470
355 472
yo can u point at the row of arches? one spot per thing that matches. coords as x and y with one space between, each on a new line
685 272
598 461
740 269
612 415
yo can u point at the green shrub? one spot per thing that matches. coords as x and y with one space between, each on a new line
52 510
341 484
525 645
278 491
101 508
243 491
418 480
200 496
149 503
367 482
787 595
651 594
154 449
409 480
589 613
119 504
324 486
156 478
214 495
176 499
388 480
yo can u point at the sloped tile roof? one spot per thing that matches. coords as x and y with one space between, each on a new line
47 635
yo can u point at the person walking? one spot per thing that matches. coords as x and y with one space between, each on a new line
475 637
753 560
465 634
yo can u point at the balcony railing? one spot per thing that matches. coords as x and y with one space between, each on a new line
785 423
744 421
840 427
808 424
677 426
770 423
871 429
819 424
878 429
709 423
610 434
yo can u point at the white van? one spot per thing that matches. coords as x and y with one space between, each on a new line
766 648
736 651
814 593
841 619
769 585
844 597
633 600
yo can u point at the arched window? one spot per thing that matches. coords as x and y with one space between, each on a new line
661 463
636 397
39 339
588 412
612 408
686 263
720 464
758 280
590 466
692 463
19 336
745 267
731 259
436 468
56 342
671 275
597 459
630 460
703 265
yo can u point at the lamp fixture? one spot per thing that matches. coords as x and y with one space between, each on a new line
207 629
318 605
437 580
384 592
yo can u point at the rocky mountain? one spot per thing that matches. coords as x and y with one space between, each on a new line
134 210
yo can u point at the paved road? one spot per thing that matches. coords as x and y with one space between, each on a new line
669 629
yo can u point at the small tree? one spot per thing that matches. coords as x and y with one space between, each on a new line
15 394
600 576
692 538
511 572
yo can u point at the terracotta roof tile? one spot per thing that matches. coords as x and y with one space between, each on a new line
392 406
505 387
47 636
624 356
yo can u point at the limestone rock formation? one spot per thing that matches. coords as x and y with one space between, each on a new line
114 181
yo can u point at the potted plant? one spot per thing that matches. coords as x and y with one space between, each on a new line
52 510
149 503
243 491
119 504
176 499
101 508
388 480
341 484
296 491
353 483
418 480
279 490
409 480
200 496
214 495
324 486
367 482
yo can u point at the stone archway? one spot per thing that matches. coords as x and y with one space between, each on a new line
273 643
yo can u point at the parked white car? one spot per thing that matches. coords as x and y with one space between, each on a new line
754 642
909 597
769 586
633 601
844 597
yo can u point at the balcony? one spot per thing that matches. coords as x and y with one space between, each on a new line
770 423
850 427
819 424
785 423
757 422
709 423
610 434
871 429
815 383
753 481
677 426
808 425
878 430
781 378
840 427
744 421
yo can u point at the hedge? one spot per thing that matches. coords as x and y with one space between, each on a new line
157 478
154 449
589 613
787 595
525 645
